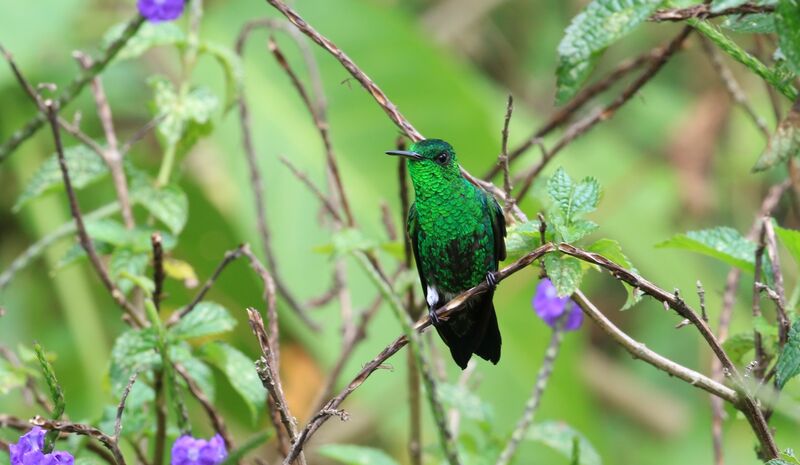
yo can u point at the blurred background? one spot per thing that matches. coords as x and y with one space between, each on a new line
675 158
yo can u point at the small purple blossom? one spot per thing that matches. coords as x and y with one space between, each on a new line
157 11
190 451
549 306
28 451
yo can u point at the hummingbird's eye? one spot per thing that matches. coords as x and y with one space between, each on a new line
442 158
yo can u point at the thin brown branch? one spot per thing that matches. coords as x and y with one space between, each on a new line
705 11
109 442
780 300
581 127
272 382
732 86
111 154
563 115
158 268
323 199
761 360
74 88
83 236
503 158
536 395
208 406
229 257
121 406
321 124
272 309
747 404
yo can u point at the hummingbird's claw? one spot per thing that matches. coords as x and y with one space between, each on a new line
491 280
435 321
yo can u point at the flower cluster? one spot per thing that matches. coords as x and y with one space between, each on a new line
157 11
549 306
28 451
190 451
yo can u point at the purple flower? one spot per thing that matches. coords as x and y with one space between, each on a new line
190 451
549 306
28 451
157 11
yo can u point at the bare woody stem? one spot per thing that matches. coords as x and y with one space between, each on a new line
74 88
83 236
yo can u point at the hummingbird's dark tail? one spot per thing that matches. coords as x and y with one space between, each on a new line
473 331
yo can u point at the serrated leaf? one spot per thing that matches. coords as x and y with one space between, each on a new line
787 24
723 243
232 67
168 204
560 437
180 110
783 143
788 365
125 262
778 462
559 188
752 24
585 197
134 350
569 202
599 25
522 238
85 167
207 318
355 455
738 345
240 371
76 252
612 250
202 375
148 36
564 272
577 230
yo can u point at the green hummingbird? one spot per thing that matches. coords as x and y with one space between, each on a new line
457 232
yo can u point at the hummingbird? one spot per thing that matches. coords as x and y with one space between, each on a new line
457 232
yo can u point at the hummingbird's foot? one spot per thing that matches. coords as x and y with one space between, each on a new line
435 321
491 280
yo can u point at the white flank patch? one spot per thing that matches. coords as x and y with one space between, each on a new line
432 296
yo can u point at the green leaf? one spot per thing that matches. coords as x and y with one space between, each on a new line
125 262
783 143
612 250
207 318
738 345
599 25
148 36
85 167
201 374
787 23
355 455
11 377
469 404
232 67
522 238
564 272
251 443
788 365
240 371
722 243
752 24
570 202
778 462
181 112
168 204
180 270
56 392
134 350
560 437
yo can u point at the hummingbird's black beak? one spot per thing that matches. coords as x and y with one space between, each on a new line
404 153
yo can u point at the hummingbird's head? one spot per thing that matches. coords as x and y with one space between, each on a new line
430 160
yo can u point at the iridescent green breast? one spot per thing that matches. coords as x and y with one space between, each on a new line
454 238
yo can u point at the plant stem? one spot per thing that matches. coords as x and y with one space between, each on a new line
739 54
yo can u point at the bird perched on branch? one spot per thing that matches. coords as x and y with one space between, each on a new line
457 232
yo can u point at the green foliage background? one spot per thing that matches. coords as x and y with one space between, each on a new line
455 91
